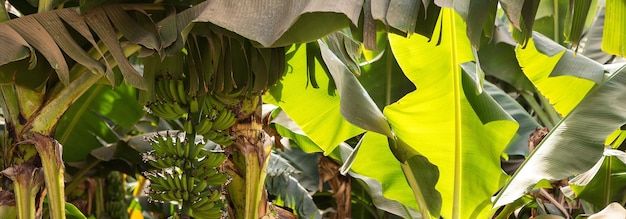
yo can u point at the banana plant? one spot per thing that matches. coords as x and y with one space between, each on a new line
207 71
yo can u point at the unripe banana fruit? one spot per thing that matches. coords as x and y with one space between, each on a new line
185 173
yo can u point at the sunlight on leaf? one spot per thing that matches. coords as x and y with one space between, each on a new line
84 123
613 37
315 110
564 92
571 147
465 149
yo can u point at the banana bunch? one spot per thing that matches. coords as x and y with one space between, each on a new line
117 209
115 195
186 173
217 119
171 101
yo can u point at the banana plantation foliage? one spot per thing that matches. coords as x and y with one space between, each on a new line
313 109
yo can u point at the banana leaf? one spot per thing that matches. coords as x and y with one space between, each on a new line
572 147
95 117
460 131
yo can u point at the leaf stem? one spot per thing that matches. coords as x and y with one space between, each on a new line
4 13
553 115
53 171
538 110
26 183
556 21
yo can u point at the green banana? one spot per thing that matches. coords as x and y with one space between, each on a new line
200 187
176 179
214 213
173 90
180 90
195 152
199 203
204 126
188 126
161 181
183 183
211 135
205 207
179 110
194 106
220 122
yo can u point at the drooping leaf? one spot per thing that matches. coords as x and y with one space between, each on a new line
93 116
98 21
498 60
53 24
523 32
439 120
527 124
131 29
286 187
513 10
35 35
387 186
14 47
403 15
604 182
357 107
613 41
564 91
578 15
287 24
383 79
478 15
318 115
394 184
593 44
306 165
561 153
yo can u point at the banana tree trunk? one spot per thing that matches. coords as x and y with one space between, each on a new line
247 166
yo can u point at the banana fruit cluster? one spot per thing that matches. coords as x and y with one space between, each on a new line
186 173
171 100
115 196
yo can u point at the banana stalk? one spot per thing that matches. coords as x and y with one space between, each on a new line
27 180
247 165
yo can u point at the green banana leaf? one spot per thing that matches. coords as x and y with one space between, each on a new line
315 110
387 186
94 117
376 161
593 43
447 121
604 183
564 91
359 109
281 183
613 39
383 79
572 147
527 125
